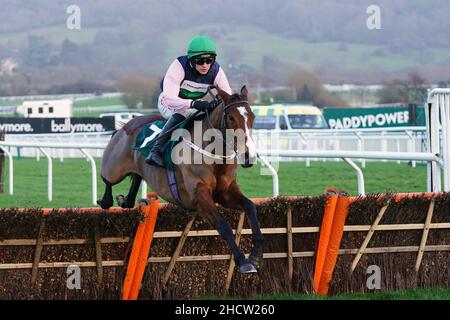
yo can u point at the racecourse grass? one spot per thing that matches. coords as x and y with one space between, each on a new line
98 102
417 294
72 188
72 181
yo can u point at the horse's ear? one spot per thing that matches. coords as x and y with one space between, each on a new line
225 96
244 93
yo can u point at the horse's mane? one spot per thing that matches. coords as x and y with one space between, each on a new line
235 96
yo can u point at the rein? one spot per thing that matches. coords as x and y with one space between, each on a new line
223 126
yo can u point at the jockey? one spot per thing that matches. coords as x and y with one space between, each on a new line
183 86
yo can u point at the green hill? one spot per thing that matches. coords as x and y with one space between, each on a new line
248 45
255 39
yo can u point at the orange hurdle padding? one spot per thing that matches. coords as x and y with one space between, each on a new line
400 196
337 231
141 249
132 262
325 231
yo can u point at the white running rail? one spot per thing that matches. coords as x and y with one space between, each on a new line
437 154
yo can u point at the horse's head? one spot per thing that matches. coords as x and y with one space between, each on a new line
239 118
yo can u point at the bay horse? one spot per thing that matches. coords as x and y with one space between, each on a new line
202 185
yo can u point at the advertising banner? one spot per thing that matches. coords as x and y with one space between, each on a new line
375 117
56 125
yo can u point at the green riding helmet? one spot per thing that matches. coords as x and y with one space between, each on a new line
201 45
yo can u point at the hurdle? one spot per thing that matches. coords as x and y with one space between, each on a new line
141 247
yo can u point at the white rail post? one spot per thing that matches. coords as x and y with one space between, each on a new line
143 189
384 147
432 120
445 124
277 143
11 169
337 146
49 174
411 146
361 147
273 172
61 151
359 175
305 145
447 134
94 175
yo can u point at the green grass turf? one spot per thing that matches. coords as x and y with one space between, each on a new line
416 294
296 50
6 102
81 107
98 102
72 188
72 181
55 34
92 102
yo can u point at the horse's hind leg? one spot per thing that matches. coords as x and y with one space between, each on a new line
130 199
106 201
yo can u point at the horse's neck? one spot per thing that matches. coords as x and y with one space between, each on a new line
213 121
215 118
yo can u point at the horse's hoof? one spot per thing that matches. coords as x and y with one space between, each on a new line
257 262
121 200
247 268
143 202
103 205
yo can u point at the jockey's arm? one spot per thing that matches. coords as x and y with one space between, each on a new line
172 83
171 88
221 81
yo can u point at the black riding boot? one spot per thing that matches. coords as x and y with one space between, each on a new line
155 157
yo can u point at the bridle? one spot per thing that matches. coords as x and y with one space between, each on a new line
224 122
223 126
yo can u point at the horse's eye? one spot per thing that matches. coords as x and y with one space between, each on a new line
231 118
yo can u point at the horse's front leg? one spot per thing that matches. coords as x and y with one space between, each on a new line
234 199
206 207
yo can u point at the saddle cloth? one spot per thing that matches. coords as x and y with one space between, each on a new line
147 138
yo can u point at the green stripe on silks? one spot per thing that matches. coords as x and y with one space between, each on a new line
146 132
186 94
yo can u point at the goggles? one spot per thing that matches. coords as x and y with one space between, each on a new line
201 61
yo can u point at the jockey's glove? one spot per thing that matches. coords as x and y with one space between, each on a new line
203 105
